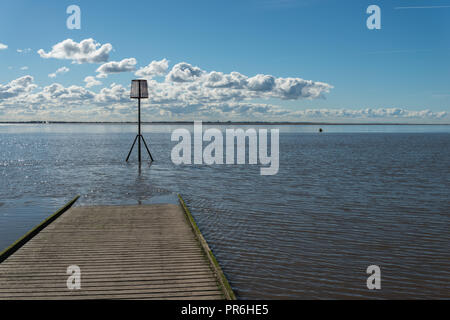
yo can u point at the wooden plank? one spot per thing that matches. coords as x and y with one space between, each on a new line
112 284
101 278
124 252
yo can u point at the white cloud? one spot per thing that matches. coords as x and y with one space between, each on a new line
116 93
233 80
188 93
3 46
17 87
261 82
59 71
155 68
24 68
241 111
192 84
91 82
126 65
58 94
184 72
294 88
113 103
87 51
371 115
26 50
219 87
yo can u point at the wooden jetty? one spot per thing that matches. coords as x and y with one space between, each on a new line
123 252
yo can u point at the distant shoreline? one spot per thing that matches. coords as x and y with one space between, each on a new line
231 122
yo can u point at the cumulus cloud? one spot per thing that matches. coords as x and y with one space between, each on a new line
234 80
57 93
155 68
261 82
113 103
242 111
370 114
236 86
184 72
17 87
188 92
126 65
91 82
3 46
87 51
294 88
59 71
24 68
116 93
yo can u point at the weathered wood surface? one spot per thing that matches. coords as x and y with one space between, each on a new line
124 252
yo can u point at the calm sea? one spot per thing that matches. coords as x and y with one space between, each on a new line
344 199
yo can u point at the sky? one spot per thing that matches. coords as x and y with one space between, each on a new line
268 60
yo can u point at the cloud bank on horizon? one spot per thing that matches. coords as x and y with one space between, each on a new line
182 92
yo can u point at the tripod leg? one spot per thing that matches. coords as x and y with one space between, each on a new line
145 144
129 153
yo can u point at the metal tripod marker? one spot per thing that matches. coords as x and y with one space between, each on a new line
139 91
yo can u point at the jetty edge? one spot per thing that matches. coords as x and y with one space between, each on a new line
30 234
228 291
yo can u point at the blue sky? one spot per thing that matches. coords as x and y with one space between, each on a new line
398 73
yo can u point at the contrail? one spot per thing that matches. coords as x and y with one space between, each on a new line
423 7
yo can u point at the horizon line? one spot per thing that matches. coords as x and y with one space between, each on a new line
224 122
